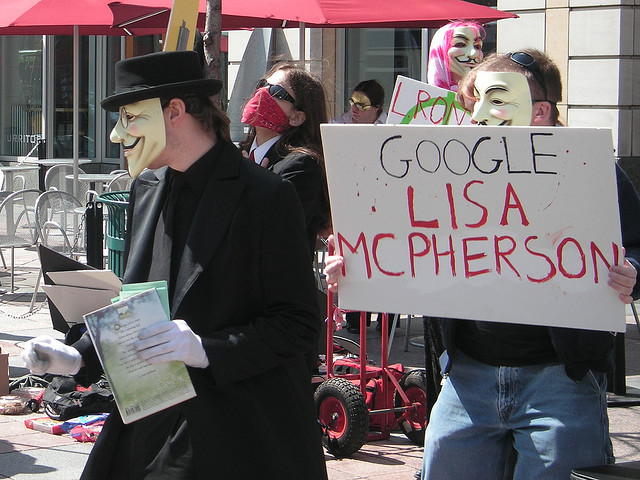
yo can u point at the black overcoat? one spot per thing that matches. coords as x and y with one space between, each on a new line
245 286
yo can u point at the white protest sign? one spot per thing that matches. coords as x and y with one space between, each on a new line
418 103
516 224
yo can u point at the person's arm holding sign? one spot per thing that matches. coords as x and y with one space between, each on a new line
333 267
623 279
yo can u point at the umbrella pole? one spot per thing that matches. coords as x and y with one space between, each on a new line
76 106
302 37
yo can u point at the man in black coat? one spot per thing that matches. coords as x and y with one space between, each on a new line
229 238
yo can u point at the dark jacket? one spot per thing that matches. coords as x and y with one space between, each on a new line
246 287
307 176
583 350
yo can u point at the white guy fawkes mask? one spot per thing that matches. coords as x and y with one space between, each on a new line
465 51
502 98
141 131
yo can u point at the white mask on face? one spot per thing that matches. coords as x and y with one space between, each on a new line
502 98
141 131
465 51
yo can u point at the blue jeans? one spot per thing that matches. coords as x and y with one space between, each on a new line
532 422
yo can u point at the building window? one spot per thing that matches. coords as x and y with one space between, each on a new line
20 93
381 54
62 135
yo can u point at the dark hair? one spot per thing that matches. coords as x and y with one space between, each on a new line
210 116
502 62
374 92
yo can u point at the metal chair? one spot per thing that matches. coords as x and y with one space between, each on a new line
56 179
17 223
16 186
4 194
121 183
59 222
58 216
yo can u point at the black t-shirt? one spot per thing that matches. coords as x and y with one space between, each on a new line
505 344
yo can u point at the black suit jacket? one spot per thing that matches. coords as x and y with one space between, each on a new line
245 286
307 176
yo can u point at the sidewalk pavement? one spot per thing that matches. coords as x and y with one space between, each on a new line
31 455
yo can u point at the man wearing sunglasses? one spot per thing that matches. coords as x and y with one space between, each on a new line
365 104
518 401
522 401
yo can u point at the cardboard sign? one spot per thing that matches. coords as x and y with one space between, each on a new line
418 103
182 25
515 224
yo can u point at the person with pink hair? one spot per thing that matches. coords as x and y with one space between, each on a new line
455 49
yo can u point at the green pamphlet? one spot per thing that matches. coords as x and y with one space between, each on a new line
129 289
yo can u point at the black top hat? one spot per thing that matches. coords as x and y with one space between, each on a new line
161 74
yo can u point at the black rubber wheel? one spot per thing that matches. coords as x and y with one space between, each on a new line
343 416
413 422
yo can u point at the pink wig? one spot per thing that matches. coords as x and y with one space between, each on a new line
438 72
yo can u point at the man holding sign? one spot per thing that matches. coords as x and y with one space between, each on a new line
523 401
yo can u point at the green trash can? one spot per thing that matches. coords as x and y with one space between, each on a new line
116 203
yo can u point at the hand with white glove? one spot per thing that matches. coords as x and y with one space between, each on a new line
45 354
167 341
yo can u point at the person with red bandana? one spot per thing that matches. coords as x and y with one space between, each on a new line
285 114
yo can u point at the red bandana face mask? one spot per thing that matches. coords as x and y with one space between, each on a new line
263 111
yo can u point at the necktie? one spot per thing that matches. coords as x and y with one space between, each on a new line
252 156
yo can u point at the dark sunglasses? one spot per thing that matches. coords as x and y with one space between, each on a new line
278 91
527 61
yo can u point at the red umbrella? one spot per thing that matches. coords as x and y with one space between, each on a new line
238 14
367 14
155 13
59 17
315 13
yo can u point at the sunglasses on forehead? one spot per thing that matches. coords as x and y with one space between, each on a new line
277 91
527 61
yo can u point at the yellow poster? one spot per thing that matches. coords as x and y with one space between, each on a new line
182 25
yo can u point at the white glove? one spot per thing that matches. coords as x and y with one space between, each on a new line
45 354
167 341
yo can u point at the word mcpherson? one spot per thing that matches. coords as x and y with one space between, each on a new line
473 247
